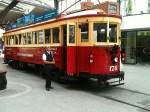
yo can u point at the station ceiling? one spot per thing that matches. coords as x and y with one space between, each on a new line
10 10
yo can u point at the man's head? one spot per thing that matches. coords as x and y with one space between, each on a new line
47 48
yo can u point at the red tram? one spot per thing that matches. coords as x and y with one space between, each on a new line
85 43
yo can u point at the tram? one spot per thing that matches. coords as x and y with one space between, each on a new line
84 43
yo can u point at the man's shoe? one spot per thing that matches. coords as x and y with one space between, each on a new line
51 88
47 89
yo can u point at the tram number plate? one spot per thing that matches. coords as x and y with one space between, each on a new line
113 68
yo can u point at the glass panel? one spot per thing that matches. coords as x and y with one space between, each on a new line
8 40
100 32
84 32
112 33
71 33
47 36
29 38
20 39
12 40
41 37
34 37
55 35
131 47
16 40
24 39
143 46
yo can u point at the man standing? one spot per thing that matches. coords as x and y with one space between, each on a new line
49 66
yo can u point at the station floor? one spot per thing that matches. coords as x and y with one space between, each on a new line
26 93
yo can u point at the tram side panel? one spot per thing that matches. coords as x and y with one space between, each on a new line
71 60
97 60
32 55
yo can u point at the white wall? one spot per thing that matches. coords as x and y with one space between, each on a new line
136 22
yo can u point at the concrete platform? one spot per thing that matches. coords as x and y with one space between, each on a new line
26 93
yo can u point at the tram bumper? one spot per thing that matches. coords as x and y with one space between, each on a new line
120 77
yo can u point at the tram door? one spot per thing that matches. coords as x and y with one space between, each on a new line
69 48
64 36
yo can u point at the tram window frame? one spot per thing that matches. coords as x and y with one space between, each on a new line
47 37
56 34
29 37
84 32
113 38
71 34
35 37
101 31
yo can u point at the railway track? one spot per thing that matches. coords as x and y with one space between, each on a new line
127 102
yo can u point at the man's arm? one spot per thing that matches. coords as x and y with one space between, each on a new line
47 62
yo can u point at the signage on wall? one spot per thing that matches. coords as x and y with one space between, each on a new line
112 8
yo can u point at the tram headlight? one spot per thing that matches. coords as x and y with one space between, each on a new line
116 59
91 60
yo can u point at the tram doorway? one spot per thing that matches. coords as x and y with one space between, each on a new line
64 35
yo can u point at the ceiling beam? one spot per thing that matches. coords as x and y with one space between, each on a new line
4 13
35 4
5 4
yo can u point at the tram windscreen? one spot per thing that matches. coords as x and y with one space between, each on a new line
100 32
84 32
113 33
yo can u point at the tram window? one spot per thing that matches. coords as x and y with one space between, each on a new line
112 33
100 32
16 40
12 40
24 39
47 36
29 38
84 32
71 33
8 40
56 35
20 39
34 37
41 37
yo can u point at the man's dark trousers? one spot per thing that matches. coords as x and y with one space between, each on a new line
48 69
